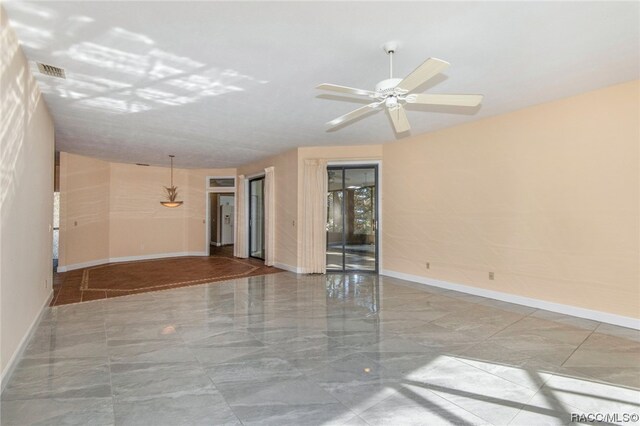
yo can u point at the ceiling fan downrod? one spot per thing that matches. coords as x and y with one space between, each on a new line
390 48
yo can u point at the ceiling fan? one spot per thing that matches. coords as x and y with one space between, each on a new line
394 93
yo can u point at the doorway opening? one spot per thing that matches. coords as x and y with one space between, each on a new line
221 223
56 210
256 217
56 229
220 217
352 218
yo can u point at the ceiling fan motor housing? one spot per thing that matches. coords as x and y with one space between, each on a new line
385 87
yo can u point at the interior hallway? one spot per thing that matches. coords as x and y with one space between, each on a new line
319 349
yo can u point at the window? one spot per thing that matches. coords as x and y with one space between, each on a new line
217 182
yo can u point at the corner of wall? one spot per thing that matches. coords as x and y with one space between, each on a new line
27 200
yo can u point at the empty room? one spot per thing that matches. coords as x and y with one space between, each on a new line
319 213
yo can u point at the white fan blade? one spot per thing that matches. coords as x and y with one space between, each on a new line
429 69
345 89
435 99
354 114
399 119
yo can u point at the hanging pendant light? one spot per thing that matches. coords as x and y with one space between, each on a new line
172 191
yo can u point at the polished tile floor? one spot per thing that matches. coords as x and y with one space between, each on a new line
308 350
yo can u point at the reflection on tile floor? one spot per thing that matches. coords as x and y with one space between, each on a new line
336 349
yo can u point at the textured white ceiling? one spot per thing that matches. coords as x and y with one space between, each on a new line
222 84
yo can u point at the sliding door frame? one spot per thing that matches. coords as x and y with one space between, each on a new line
377 165
250 204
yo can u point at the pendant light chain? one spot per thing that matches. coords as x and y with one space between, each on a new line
172 169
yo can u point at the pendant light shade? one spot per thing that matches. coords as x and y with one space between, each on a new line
172 191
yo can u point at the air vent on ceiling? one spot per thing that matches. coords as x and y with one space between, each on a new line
51 70
142 164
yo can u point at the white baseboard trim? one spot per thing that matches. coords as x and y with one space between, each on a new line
156 256
17 354
81 265
521 300
287 267
128 259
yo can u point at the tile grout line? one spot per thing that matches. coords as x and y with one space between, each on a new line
581 343
538 392
432 392
113 401
503 378
211 380
444 399
511 324
305 376
544 381
499 331
349 410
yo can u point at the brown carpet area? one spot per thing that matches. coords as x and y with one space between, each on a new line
119 279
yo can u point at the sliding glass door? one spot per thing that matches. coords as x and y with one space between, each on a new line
256 217
352 221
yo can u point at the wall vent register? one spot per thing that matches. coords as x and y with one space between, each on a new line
51 71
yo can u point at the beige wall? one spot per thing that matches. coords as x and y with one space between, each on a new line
139 224
118 213
286 199
546 197
84 209
26 204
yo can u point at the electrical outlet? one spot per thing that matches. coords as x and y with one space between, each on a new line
490 275
428 265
